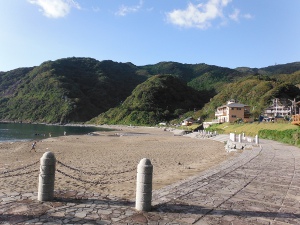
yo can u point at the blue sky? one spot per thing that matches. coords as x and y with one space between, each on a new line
229 33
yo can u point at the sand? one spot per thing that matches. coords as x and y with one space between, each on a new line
109 160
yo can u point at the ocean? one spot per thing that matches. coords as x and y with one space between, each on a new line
12 132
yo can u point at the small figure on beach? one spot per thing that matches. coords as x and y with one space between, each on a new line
65 133
33 146
50 134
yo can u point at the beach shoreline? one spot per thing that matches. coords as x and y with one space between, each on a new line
106 162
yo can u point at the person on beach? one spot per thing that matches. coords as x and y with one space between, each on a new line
33 146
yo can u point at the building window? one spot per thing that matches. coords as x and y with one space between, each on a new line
239 108
232 108
233 116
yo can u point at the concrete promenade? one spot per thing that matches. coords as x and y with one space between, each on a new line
260 186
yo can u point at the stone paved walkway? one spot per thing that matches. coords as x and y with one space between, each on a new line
260 186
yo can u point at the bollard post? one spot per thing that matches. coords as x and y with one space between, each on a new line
46 177
256 139
232 137
144 185
240 138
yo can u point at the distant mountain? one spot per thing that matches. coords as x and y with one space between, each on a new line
72 89
160 98
201 77
79 89
288 68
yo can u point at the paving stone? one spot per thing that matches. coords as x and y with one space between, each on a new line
57 214
105 211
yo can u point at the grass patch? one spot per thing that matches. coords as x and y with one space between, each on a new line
251 129
281 132
290 136
190 128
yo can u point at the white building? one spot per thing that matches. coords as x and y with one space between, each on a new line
277 109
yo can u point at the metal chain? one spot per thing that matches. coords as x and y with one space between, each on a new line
20 168
20 174
93 173
94 182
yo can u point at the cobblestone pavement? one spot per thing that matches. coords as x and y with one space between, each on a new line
260 186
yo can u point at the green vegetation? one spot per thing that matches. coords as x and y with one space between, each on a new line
201 77
253 91
160 98
291 136
288 68
251 129
282 131
80 89
192 127
66 90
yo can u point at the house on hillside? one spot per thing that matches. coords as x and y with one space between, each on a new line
232 112
188 121
280 108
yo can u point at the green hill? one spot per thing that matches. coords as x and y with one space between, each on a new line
72 89
201 77
253 91
79 89
160 98
287 68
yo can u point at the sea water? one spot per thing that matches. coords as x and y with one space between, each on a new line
12 132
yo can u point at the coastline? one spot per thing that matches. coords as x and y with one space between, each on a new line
20 132
107 155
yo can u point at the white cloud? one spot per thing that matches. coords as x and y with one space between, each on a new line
124 10
235 15
248 16
55 8
200 15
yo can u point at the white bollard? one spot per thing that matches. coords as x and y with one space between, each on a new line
144 185
256 139
232 137
46 177
240 138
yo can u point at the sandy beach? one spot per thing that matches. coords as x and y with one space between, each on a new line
106 161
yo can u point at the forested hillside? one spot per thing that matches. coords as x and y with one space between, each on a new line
66 90
255 91
160 98
201 77
79 89
288 68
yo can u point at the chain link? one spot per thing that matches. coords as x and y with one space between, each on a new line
94 182
70 176
20 168
93 173
20 174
